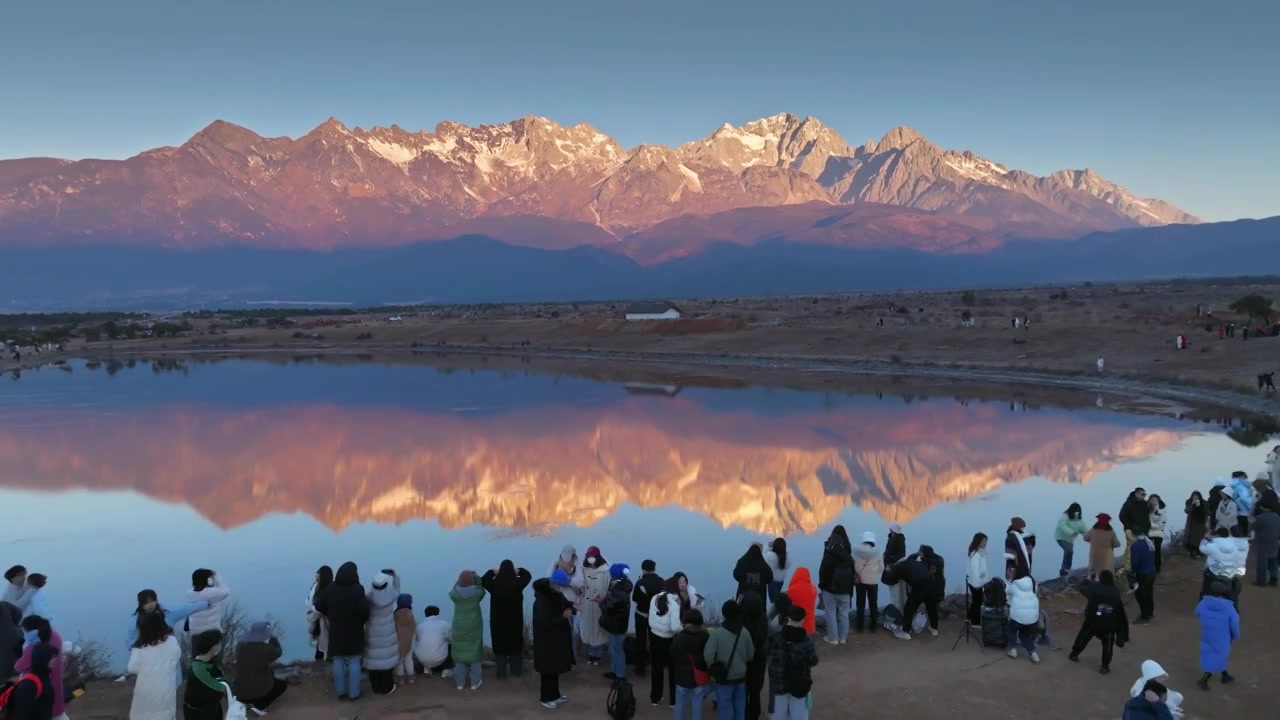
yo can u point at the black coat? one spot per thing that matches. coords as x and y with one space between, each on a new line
1135 515
895 548
506 611
1104 614
255 676
552 631
10 639
648 587
836 574
615 609
914 573
345 605
753 575
686 654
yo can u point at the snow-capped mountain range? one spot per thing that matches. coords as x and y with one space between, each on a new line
534 182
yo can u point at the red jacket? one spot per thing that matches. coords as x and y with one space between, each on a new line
803 594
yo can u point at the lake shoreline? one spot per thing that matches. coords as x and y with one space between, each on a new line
798 372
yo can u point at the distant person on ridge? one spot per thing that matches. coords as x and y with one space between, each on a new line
1070 526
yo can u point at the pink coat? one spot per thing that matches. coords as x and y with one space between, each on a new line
55 671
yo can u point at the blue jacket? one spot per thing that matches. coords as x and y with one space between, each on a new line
173 614
1139 709
1143 557
1219 627
1242 493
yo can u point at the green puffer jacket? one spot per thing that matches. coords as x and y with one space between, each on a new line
468 624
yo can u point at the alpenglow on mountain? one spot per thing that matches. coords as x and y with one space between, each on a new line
537 183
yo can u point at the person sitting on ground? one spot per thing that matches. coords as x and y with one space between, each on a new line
1104 618
1219 629
1151 670
256 683
1024 617
792 658
206 685
1150 704
431 643
692 681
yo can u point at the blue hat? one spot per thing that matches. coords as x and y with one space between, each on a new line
617 571
560 577
404 601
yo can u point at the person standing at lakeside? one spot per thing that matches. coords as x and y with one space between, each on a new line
665 621
615 616
382 642
1242 494
755 620
1159 525
867 569
156 660
692 681
468 630
16 590
1219 630
1142 559
317 626
836 579
1070 526
776 557
175 615
753 572
1197 512
1018 546
727 654
553 636
1227 515
895 549
976 577
346 608
38 632
648 587
32 696
505 585
206 685
792 658
1103 544
1024 615
206 586
406 631
1135 519
1104 619
595 586
1266 542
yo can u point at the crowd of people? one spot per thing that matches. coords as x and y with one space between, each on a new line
757 660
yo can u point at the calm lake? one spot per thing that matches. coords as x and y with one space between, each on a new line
116 478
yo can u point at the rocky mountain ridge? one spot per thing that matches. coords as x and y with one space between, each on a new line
337 186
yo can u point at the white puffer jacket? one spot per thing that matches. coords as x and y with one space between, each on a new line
1225 556
666 626
1024 605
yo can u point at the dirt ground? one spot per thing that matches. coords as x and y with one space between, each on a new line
878 677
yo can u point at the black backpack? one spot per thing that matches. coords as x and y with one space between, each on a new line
993 594
622 701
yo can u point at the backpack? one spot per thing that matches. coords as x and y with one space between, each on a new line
719 671
994 594
621 704
7 695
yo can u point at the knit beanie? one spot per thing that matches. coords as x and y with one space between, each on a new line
405 601
559 577
617 571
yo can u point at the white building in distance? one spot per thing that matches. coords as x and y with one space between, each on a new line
653 311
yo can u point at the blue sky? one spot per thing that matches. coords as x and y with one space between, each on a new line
1174 99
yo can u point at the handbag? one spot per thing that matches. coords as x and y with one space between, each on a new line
700 677
236 710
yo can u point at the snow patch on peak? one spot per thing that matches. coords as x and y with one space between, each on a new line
975 168
396 153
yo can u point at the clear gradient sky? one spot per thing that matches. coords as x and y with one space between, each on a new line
1175 99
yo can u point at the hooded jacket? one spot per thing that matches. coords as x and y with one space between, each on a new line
1024 605
753 572
804 594
1227 514
1151 670
1225 556
468 624
211 617
1219 628
895 548
1242 493
345 605
382 642
868 564
1139 708
1104 612
506 610
1068 528
1135 515
835 574
552 631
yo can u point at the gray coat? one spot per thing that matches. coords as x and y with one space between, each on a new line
1266 535
382 643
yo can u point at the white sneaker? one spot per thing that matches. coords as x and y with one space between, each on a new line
830 641
844 642
901 635
550 704
476 685
933 632
123 678
445 673
394 687
256 711
1035 657
562 700
1011 652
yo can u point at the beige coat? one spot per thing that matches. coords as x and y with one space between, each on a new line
1102 550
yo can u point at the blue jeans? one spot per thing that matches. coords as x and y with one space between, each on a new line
1068 555
731 701
791 707
618 655
346 676
689 702
460 673
837 609
774 589
1015 633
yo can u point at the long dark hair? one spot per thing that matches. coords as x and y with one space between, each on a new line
669 588
324 578
1159 500
779 548
507 571
200 579
42 627
144 597
152 629
1195 495
976 542
1074 511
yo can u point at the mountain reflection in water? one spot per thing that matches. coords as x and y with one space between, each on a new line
538 468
